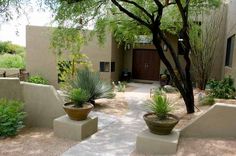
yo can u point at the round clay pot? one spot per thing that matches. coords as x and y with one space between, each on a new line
76 113
160 127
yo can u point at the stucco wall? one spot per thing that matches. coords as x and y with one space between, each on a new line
42 102
40 58
231 30
217 122
117 57
12 72
10 88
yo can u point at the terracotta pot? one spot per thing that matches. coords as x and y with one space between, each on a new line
76 113
160 127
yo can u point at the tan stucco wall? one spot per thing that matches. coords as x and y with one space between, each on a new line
97 53
40 58
231 30
117 57
217 122
10 72
10 88
42 103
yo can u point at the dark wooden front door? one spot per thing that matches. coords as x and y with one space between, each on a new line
146 64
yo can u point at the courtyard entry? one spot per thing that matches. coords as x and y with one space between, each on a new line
146 64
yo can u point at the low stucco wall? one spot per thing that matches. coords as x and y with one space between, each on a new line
10 88
42 102
217 122
13 72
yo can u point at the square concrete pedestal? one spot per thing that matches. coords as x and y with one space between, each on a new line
76 130
149 143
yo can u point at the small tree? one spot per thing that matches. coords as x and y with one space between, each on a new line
129 18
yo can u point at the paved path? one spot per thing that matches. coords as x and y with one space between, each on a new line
119 137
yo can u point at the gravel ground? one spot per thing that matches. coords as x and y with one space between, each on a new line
35 142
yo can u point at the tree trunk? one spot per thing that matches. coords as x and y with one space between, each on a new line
184 86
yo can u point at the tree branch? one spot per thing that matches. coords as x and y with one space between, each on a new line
140 7
130 14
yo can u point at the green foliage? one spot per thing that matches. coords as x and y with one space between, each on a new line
223 89
78 96
160 106
67 39
120 86
37 79
207 100
11 117
11 61
8 47
90 82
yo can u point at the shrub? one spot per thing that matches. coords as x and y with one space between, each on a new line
207 100
9 48
78 96
11 61
223 89
90 82
11 117
160 106
37 79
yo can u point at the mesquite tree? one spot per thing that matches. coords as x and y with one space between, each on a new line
128 19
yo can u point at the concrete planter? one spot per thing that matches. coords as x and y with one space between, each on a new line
160 127
76 113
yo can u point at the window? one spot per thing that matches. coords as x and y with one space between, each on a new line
113 67
229 51
104 66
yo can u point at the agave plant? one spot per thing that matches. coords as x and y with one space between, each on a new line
90 82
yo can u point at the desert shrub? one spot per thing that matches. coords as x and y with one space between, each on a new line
90 82
11 61
170 89
11 117
207 100
223 89
37 79
9 48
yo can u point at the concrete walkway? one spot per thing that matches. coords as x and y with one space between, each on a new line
119 137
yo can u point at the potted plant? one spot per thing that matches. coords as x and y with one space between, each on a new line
159 121
78 109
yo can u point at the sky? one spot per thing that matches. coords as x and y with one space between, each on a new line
14 30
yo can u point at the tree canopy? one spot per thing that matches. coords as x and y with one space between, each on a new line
127 19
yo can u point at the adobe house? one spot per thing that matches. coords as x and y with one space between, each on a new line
111 60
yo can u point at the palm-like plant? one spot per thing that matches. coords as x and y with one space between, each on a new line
90 82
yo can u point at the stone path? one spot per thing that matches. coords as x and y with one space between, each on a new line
117 136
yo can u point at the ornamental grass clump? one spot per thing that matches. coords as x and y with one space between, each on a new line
90 82
79 97
160 106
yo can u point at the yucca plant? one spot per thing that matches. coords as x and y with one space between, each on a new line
90 82
160 106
